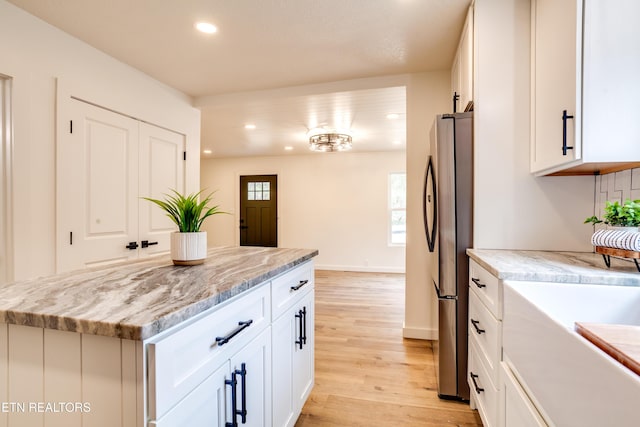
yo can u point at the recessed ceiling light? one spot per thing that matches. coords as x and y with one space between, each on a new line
249 126
207 151
206 27
393 116
396 142
288 148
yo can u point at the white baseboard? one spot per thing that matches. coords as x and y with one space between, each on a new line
362 269
420 333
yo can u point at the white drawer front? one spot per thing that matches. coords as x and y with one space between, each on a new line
518 409
486 331
482 388
488 287
290 287
179 362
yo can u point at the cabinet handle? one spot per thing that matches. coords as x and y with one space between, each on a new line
475 324
478 283
564 132
299 285
233 382
242 325
300 316
243 399
234 411
146 243
475 384
304 325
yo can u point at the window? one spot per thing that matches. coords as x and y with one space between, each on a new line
398 209
258 191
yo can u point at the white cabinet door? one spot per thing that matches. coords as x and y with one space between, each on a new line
556 65
97 188
252 368
205 406
103 169
293 361
284 336
161 169
519 410
462 67
303 363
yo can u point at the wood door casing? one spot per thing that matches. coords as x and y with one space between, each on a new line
259 210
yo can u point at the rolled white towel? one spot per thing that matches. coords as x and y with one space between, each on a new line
620 239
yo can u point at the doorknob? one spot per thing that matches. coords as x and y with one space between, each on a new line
132 245
244 227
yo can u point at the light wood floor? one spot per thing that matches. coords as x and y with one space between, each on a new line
366 373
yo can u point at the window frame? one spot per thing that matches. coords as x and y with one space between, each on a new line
391 210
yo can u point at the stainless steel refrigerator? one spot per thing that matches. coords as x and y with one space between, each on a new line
448 217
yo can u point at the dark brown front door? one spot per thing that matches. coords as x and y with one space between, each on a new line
258 210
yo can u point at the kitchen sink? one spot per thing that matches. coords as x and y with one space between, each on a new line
569 380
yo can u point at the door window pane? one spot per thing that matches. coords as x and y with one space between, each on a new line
258 191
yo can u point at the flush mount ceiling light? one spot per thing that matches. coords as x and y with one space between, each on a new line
393 116
206 27
327 141
250 126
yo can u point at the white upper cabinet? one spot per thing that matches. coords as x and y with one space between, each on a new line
584 100
462 67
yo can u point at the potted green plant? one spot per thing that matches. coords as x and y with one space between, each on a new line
188 244
619 215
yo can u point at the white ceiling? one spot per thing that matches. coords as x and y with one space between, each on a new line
267 47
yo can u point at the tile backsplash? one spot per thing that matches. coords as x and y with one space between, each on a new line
616 186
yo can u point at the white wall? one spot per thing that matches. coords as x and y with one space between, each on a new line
513 209
44 62
333 202
427 95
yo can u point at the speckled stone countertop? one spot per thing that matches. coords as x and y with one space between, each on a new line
547 266
136 300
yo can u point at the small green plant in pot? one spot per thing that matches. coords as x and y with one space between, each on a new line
188 244
619 215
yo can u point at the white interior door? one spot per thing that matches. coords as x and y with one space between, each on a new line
97 188
161 170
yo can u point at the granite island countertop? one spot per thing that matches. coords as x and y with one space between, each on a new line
138 299
549 266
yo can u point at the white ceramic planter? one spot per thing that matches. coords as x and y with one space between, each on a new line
188 248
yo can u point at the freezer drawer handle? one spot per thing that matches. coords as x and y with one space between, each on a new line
475 324
242 325
299 285
478 283
475 384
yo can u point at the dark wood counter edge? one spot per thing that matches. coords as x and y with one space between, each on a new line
140 333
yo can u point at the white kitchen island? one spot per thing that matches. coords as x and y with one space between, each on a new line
151 344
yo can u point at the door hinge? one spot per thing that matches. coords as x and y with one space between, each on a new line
184 155
70 126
